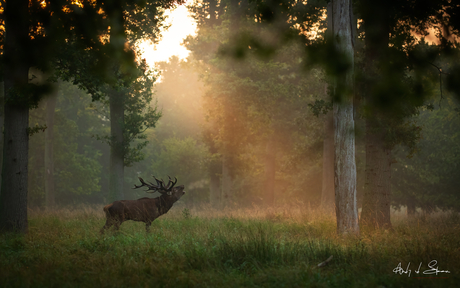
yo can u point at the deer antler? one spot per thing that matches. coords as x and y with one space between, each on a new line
171 184
149 185
160 187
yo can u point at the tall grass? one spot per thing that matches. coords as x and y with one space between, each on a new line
204 247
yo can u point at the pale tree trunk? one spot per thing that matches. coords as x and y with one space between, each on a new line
226 197
116 169
13 199
344 140
376 200
327 193
49 148
270 171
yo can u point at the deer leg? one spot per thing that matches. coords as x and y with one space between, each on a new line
147 226
117 221
107 225
117 225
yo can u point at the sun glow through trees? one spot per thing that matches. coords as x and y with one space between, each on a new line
180 26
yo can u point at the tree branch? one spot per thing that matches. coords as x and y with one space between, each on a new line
440 81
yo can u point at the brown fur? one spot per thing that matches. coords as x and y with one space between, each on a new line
144 209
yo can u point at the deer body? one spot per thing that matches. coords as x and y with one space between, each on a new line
144 209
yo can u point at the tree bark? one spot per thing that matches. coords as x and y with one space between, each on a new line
49 148
2 122
327 188
212 12
410 212
270 171
226 183
215 169
13 199
116 169
117 112
344 140
327 193
376 200
377 191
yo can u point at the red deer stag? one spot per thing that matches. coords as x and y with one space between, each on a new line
145 209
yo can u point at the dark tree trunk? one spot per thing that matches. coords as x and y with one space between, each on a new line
116 169
270 169
214 188
215 170
410 209
212 12
117 111
327 188
344 140
2 123
13 198
49 148
376 200
327 193
226 183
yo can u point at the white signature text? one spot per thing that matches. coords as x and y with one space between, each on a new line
432 269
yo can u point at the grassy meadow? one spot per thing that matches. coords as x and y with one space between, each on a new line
229 248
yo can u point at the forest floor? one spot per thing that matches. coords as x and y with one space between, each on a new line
230 248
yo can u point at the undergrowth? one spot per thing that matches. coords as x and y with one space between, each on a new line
228 248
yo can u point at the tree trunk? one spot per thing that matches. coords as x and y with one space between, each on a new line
344 140
213 12
2 122
376 200
49 157
13 199
410 209
215 169
116 169
226 183
117 111
327 188
270 168
327 193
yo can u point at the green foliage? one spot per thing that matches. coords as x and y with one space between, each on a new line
186 213
140 114
76 154
36 129
121 25
186 160
429 178
320 106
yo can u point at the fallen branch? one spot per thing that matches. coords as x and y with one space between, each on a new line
322 264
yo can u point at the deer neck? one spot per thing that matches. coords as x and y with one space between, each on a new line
164 205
